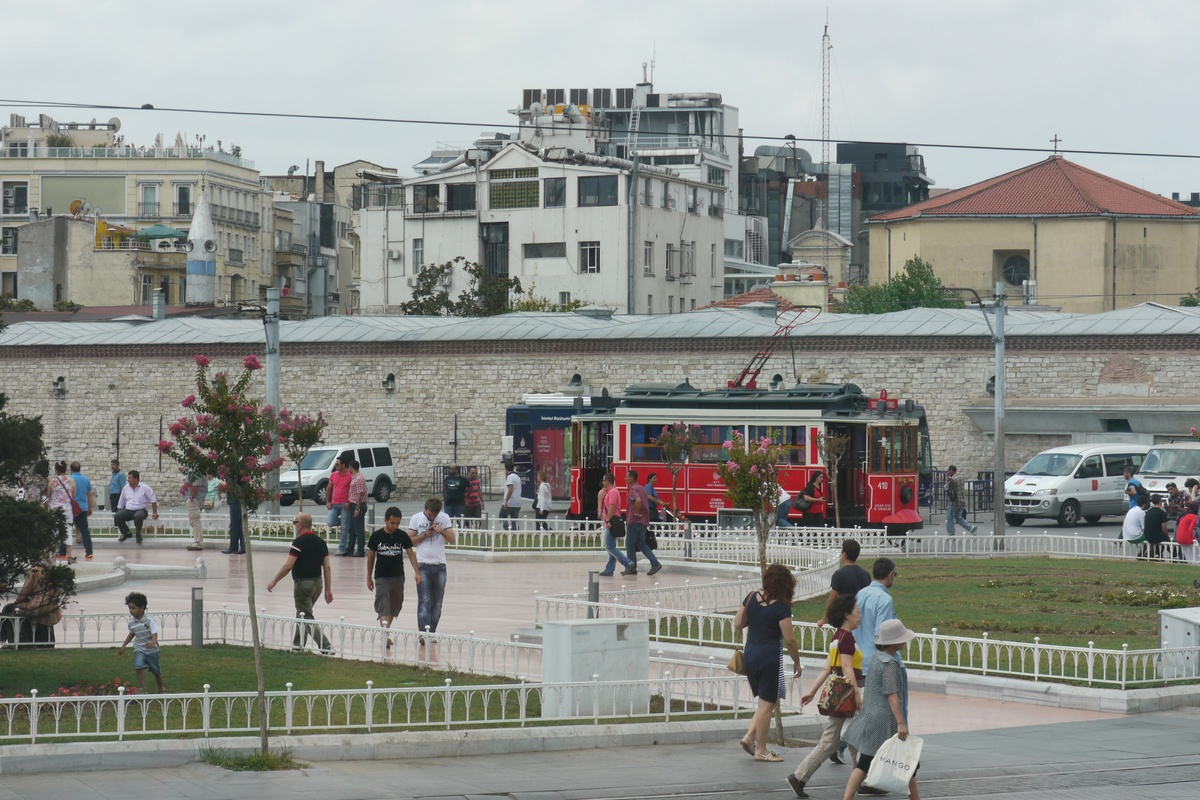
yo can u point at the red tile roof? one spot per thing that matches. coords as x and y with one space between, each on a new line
762 294
1055 186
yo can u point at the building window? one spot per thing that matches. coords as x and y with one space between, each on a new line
687 259
693 196
693 304
649 304
666 195
716 175
648 258
734 248
544 250
16 198
460 197
564 299
598 190
589 257
418 259
647 192
426 198
148 200
8 284
147 293
555 190
670 304
712 261
672 262
8 243
18 149
716 204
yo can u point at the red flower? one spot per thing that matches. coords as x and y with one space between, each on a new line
251 362
202 361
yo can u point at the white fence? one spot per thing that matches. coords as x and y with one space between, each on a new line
35 718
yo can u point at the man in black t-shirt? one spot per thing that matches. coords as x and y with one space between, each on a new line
308 561
1156 527
454 493
385 567
849 578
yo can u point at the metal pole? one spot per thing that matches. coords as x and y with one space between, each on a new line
271 325
198 617
593 593
998 442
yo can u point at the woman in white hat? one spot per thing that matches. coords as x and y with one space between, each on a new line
885 705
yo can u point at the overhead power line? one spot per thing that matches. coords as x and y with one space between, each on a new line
510 126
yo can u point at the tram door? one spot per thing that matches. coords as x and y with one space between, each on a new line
591 457
851 480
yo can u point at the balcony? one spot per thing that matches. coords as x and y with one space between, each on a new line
148 210
184 209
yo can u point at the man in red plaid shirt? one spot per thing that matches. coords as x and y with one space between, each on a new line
358 507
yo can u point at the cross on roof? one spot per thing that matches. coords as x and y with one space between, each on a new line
1055 142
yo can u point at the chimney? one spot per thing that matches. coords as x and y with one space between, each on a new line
1196 197
158 306
319 181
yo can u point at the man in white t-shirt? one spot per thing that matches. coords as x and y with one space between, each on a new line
511 507
1133 530
429 530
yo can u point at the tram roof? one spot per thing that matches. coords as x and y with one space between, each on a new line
831 399
1147 319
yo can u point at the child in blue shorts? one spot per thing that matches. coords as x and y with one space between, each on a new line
143 632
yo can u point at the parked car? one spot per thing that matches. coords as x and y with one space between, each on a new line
375 464
1072 483
1169 463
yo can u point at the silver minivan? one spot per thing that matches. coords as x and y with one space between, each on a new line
374 462
1169 463
1072 483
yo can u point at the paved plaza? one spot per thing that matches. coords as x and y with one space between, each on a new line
974 747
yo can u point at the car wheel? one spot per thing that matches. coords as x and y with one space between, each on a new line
1014 519
319 495
383 490
286 501
1092 520
1068 515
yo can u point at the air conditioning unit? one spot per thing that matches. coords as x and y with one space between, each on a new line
395 255
412 283
8 194
670 203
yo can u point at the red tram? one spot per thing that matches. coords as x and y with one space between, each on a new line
881 474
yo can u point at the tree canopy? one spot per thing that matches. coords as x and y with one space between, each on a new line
485 296
917 287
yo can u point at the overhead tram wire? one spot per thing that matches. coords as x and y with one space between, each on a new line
6 102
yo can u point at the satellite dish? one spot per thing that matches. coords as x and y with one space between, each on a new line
92 124
76 207
115 124
87 208
97 211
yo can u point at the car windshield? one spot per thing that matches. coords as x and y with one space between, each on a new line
1050 464
1170 461
318 459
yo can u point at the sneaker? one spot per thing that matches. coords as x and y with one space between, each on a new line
88 556
836 759
193 547
655 569
797 785
228 552
629 571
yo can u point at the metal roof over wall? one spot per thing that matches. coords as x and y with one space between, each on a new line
1148 319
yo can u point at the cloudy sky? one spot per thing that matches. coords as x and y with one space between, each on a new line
1104 75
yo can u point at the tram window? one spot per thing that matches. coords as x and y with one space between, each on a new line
893 449
641 439
791 437
710 441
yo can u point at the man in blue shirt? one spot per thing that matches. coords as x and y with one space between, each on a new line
875 604
115 484
84 496
1133 487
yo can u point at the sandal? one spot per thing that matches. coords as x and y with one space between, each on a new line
767 756
747 746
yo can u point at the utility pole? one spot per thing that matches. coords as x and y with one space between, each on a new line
271 326
998 425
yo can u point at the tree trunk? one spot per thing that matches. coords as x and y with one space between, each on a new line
837 505
257 641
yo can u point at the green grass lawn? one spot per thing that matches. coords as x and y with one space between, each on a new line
1062 601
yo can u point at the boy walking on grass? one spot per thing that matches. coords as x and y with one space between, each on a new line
143 632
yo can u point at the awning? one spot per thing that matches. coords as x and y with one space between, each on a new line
160 231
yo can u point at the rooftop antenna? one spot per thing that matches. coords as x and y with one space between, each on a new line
826 46
653 55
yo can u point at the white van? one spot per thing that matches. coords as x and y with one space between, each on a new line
1169 463
374 462
1072 483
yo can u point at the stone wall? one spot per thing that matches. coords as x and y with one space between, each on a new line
476 380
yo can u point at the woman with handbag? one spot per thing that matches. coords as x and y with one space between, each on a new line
768 615
885 706
811 503
614 525
544 497
61 493
839 686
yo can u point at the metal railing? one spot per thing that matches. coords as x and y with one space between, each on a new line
42 151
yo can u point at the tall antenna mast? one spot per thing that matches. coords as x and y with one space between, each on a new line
825 48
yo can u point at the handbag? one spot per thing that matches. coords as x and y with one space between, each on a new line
837 698
651 539
616 527
76 509
802 504
894 764
737 663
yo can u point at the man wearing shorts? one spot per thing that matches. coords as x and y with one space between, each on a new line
385 568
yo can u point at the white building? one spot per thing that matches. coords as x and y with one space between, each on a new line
565 209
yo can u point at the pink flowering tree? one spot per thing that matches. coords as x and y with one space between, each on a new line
227 433
299 434
750 472
676 442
